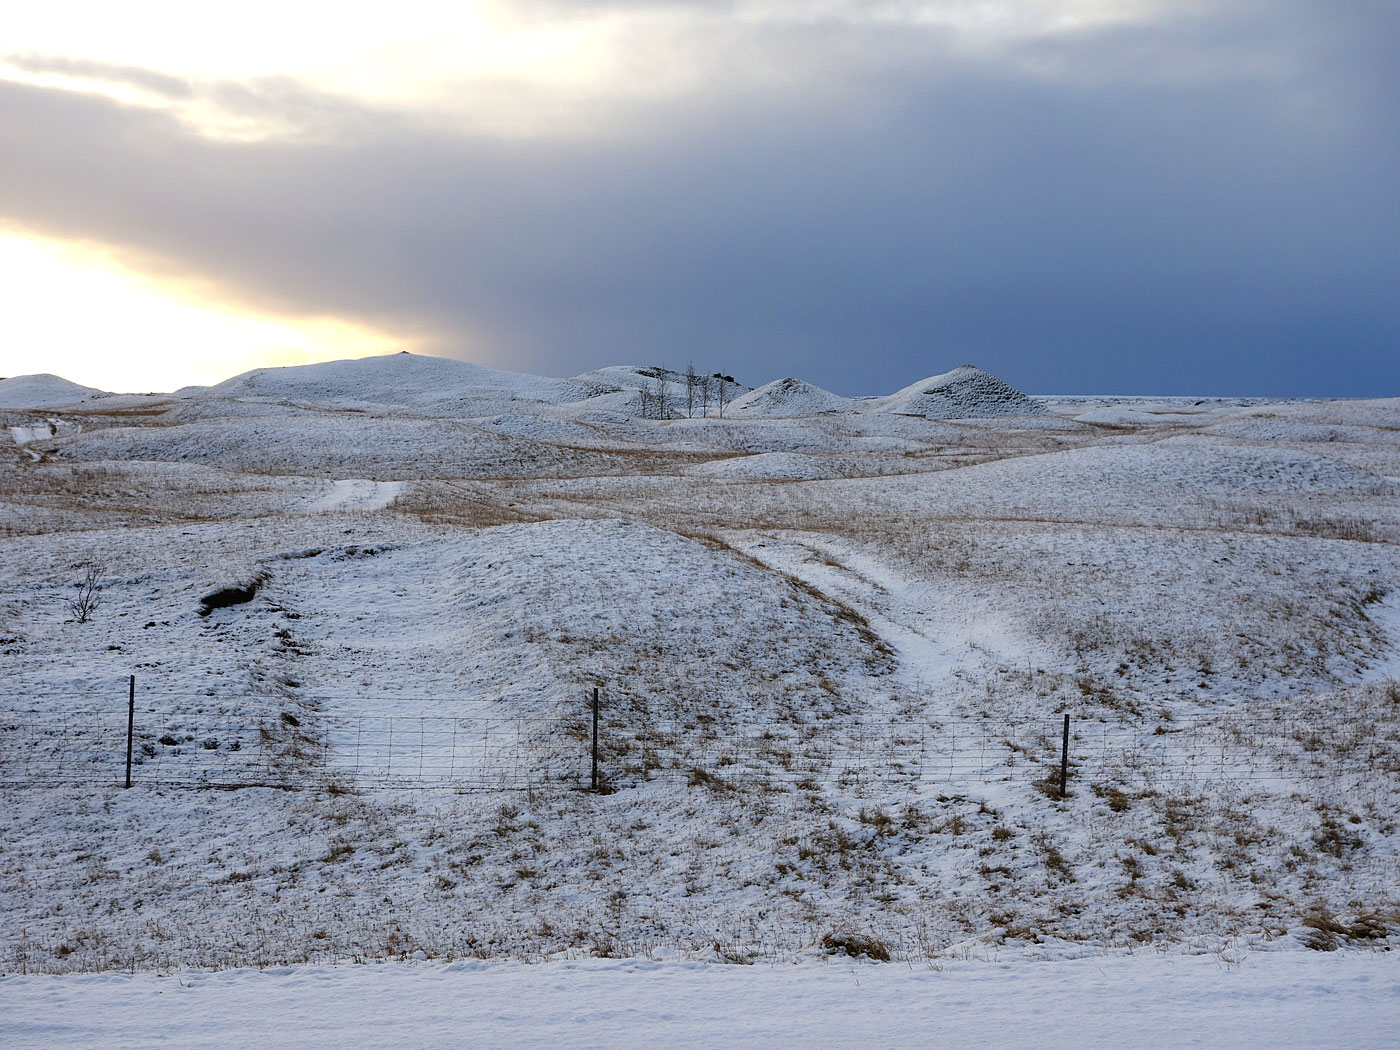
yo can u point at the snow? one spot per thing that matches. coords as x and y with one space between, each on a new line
620 377
771 466
789 397
43 391
400 379
932 645
631 389
333 444
23 435
965 392
1144 1001
1120 415
834 651
359 494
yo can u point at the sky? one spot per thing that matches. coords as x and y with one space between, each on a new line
1082 196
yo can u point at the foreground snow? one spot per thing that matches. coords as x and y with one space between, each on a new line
1260 1000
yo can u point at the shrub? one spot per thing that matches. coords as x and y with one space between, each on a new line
87 593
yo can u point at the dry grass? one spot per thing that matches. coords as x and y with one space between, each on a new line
856 945
1328 932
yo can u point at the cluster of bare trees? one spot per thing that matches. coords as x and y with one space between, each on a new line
656 397
701 393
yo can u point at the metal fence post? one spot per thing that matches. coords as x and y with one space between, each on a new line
130 724
1064 758
595 738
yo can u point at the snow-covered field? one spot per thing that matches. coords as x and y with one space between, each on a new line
835 641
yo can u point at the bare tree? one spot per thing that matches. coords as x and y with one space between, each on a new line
722 393
87 594
692 383
663 392
706 387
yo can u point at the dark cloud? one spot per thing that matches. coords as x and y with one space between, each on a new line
1202 206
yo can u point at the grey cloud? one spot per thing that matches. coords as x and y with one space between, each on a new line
1111 232
273 104
103 72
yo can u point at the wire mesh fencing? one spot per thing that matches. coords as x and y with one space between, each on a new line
488 748
479 751
1279 749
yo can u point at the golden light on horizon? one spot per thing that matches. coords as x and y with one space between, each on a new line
74 310
295 76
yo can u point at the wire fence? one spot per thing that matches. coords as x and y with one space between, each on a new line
465 753
987 751
175 745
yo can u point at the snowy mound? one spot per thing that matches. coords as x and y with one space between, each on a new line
964 393
43 391
766 466
396 379
790 397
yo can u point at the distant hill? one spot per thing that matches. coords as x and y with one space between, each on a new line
966 392
447 387
790 397
43 391
395 379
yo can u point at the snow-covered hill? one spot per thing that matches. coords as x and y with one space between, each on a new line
43 391
966 392
789 397
395 379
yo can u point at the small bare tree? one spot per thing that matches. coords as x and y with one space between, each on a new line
706 390
87 594
722 393
662 392
692 385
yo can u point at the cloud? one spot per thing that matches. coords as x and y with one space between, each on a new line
249 110
157 83
1201 204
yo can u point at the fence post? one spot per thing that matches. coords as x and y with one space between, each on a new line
595 738
1064 758
130 724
